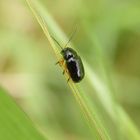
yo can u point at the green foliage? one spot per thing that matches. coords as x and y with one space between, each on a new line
14 123
108 43
98 131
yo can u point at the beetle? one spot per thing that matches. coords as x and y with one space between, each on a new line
73 63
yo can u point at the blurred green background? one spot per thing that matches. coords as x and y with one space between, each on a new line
108 39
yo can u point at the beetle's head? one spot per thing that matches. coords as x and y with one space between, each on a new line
68 53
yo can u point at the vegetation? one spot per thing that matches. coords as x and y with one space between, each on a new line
104 105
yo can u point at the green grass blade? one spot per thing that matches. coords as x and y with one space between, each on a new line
14 124
127 126
45 20
106 96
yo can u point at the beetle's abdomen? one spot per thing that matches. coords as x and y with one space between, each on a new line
75 68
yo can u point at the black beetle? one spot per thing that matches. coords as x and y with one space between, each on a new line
73 63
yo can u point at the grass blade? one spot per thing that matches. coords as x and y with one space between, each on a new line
14 122
45 20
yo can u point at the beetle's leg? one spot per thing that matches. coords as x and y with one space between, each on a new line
64 68
57 63
60 62
68 79
64 71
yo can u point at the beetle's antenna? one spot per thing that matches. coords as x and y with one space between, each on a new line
71 37
57 42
